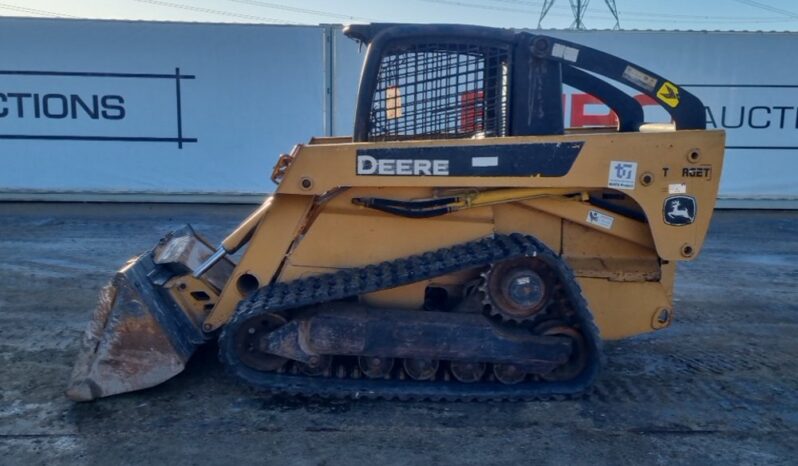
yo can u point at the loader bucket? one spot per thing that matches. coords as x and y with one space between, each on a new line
138 336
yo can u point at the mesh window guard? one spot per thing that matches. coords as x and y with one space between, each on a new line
429 91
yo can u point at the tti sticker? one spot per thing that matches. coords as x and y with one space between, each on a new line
622 175
679 210
669 94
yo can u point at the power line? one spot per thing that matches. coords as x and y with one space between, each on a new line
213 12
766 7
486 7
645 14
697 19
22 9
280 6
478 6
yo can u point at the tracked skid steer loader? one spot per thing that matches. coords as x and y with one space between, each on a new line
462 244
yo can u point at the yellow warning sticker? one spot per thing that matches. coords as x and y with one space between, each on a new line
669 94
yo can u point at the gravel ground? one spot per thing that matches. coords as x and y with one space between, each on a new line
718 387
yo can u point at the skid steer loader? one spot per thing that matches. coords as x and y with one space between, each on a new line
462 244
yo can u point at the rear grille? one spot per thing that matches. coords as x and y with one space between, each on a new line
429 91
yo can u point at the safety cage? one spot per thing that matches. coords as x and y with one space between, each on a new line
441 90
453 81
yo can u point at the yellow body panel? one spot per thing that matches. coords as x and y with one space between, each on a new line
311 225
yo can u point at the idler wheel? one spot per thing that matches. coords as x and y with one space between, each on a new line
466 371
518 289
247 340
421 369
317 365
508 374
375 367
576 362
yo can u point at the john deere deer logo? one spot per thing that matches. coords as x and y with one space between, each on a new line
679 210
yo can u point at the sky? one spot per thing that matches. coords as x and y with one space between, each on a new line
767 15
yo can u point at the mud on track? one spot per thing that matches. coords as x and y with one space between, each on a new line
720 386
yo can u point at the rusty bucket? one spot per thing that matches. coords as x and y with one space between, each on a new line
138 335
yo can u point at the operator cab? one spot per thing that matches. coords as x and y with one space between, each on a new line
453 81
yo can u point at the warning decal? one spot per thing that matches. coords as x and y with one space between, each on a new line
597 218
669 94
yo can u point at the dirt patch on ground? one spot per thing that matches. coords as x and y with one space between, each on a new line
720 386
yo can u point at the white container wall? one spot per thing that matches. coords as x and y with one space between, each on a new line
108 109
98 106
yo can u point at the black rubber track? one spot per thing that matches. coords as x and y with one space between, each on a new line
352 282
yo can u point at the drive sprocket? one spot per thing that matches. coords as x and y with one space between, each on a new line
518 290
